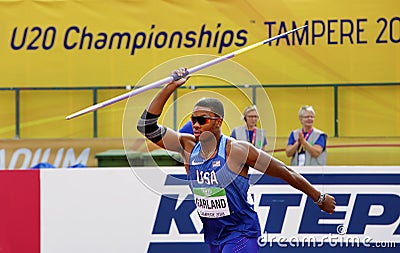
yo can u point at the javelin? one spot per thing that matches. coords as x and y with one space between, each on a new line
175 77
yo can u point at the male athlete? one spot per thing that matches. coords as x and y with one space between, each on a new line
217 167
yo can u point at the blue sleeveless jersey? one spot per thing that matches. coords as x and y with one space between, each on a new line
221 198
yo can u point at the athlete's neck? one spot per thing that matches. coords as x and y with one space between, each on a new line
209 144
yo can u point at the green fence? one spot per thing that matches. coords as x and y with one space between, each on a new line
255 89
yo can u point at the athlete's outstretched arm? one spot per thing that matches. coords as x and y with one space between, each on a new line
271 166
147 124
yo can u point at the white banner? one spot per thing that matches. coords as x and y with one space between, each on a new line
149 209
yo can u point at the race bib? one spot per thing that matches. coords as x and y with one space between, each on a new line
211 202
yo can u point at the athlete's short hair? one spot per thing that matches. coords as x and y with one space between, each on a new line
214 104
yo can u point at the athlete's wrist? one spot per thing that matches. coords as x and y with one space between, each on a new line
320 199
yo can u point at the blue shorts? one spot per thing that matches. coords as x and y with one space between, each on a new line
238 245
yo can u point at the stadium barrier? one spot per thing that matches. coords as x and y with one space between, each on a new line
149 209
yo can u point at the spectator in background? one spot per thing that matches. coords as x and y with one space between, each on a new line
187 128
249 132
307 145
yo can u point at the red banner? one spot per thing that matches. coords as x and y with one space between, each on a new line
20 211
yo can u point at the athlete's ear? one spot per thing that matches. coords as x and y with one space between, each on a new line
219 122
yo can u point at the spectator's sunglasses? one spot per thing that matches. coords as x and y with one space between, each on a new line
202 119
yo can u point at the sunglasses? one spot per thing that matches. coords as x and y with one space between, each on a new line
202 119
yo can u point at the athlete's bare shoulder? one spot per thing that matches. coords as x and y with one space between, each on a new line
237 155
243 150
238 145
